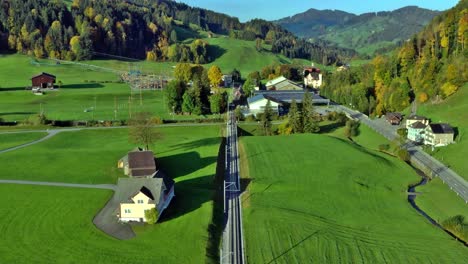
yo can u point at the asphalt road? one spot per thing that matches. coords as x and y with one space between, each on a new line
419 156
233 246
62 184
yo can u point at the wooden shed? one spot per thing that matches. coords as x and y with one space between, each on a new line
43 80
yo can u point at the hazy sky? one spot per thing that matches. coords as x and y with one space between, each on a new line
275 9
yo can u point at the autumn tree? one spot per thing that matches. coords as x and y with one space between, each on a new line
215 75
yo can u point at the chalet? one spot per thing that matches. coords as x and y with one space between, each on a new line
135 196
437 135
43 80
312 77
416 131
394 118
282 84
138 163
414 119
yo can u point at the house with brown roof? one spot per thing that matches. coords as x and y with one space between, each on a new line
136 196
138 163
438 135
43 80
394 118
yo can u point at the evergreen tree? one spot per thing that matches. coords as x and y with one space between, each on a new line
295 120
309 121
266 119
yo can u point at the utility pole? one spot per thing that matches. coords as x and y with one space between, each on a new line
130 106
115 107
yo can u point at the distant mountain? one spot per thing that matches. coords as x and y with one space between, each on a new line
365 33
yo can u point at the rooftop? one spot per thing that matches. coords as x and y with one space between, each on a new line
151 187
441 128
418 125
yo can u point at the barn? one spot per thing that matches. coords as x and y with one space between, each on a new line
43 80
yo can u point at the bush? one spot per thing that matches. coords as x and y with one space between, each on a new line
457 226
250 118
403 154
151 216
384 147
402 132
352 128
36 120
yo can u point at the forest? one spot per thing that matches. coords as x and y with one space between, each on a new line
429 66
137 29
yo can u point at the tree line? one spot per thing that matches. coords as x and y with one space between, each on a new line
429 66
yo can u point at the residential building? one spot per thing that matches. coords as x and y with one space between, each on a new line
414 119
43 80
416 132
135 196
227 80
438 135
312 77
138 163
394 118
282 84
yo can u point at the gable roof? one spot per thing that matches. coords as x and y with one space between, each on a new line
392 115
416 117
288 96
275 81
418 125
255 98
43 73
441 128
127 188
141 160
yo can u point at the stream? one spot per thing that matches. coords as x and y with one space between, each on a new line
412 200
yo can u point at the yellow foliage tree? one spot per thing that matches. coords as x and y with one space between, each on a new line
449 89
422 97
150 56
215 75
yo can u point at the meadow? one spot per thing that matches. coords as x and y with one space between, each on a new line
31 232
454 111
320 199
16 139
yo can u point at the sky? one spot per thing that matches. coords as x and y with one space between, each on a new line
276 9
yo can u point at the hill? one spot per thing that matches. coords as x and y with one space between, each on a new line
313 198
365 33
138 29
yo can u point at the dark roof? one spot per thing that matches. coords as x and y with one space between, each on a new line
147 192
127 188
288 96
418 125
255 98
416 117
441 128
392 115
141 160
44 73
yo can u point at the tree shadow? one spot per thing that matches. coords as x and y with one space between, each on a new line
456 132
182 164
243 133
329 128
17 113
215 52
197 143
11 89
82 86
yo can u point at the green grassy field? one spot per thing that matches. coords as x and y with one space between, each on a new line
455 112
91 156
54 225
16 139
440 202
318 199
31 232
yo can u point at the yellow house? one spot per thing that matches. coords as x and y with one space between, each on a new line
137 195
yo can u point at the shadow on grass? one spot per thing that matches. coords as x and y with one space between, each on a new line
17 113
242 132
184 163
82 86
329 128
366 151
10 89
197 143
215 52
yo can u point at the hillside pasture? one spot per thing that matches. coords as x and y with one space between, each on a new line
318 199
17 139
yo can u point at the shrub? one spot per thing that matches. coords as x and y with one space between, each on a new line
384 147
250 118
151 216
403 154
402 132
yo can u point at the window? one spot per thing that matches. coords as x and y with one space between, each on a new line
140 201
128 211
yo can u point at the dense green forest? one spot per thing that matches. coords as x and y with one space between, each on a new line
430 66
367 33
138 29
